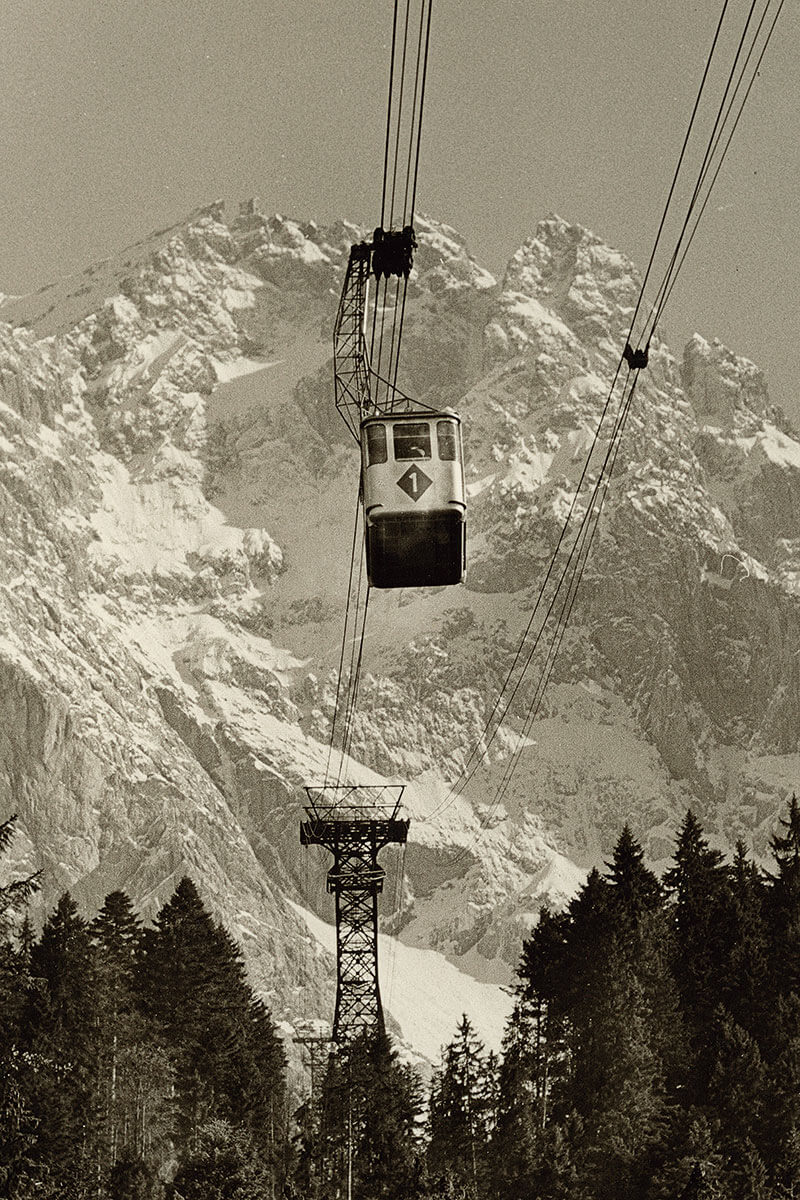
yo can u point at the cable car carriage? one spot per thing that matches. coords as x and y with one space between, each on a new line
414 501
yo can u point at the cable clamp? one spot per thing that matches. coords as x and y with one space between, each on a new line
393 251
636 359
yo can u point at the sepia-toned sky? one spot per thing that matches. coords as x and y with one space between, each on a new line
119 118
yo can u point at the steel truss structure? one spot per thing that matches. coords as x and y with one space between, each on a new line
354 823
350 362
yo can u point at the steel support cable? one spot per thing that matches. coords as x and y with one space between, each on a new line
357 636
414 116
392 339
586 533
389 114
584 541
356 639
356 684
373 330
353 679
383 282
713 142
344 633
573 566
399 336
676 174
415 134
389 123
399 118
397 332
665 294
421 107
398 900
458 786
483 742
408 215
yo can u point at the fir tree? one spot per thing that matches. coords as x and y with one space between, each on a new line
228 1061
370 1110
619 1084
744 987
222 1166
18 1123
117 934
61 1042
15 895
783 905
131 1178
690 1165
781 1137
460 1113
193 981
736 1091
702 909
745 1175
635 890
518 1134
134 1077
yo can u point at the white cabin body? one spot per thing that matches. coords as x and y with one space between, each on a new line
412 467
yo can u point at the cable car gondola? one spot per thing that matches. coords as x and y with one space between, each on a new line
414 499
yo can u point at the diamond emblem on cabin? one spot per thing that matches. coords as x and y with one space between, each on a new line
414 482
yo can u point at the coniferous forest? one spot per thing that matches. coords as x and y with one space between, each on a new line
653 1053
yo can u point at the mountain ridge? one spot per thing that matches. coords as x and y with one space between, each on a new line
178 499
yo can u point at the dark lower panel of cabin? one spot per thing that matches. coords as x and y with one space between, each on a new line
416 549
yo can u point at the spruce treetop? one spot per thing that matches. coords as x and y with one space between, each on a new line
636 886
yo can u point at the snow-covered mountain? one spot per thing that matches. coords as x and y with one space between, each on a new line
177 496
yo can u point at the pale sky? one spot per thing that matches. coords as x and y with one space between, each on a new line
121 116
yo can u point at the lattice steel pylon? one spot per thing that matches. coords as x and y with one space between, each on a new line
355 822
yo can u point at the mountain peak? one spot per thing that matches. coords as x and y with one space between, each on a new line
178 498
724 388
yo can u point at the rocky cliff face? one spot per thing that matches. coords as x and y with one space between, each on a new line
177 497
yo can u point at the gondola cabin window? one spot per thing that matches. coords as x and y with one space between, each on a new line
447 437
376 444
412 440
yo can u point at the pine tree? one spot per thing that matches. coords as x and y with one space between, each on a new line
134 1076
460 1113
17 1121
703 915
223 1165
61 1041
691 1164
227 1058
745 1175
599 974
783 905
561 970
744 987
13 898
619 1083
782 1125
370 1109
522 1102
130 1178
737 1087
635 889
